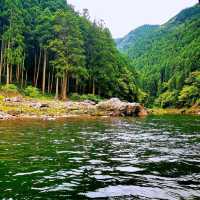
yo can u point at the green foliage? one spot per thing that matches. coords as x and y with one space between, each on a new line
9 88
142 96
194 79
75 97
166 55
190 94
32 92
187 96
91 97
135 36
198 102
13 33
50 45
167 99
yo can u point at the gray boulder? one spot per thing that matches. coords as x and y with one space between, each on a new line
116 107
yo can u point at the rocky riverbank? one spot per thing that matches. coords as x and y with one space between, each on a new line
194 110
23 108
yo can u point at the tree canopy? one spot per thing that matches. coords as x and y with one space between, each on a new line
166 56
50 46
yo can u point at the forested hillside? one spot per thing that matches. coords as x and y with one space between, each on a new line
46 44
145 31
168 59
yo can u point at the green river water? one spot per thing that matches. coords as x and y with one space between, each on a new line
157 157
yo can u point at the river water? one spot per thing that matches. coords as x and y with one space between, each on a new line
157 157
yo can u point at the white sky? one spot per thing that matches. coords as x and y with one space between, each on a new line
122 16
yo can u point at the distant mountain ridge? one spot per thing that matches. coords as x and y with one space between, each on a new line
133 36
167 55
148 32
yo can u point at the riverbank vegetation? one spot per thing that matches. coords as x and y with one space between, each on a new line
30 103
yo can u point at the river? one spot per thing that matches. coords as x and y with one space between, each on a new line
157 157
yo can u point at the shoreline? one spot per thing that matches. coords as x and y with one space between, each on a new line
19 108
195 110
28 117
82 117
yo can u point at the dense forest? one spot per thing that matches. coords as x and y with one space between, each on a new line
167 58
50 46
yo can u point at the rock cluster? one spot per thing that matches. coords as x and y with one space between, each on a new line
115 107
50 110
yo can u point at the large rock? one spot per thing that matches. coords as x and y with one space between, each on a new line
115 107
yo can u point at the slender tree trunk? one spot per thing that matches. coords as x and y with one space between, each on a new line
90 86
8 74
76 85
22 78
49 82
93 87
51 85
35 69
57 88
38 69
83 89
4 61
17 73
99 91
1 60
44 72
11 72
4 68
8 69
26 78
64 86
22 74
68 83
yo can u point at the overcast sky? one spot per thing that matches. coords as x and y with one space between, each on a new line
122 16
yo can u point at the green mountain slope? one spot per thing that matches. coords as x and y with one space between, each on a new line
168 59
138 34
